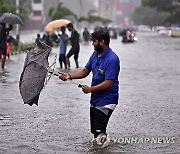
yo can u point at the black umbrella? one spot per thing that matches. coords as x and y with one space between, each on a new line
10 18
34 73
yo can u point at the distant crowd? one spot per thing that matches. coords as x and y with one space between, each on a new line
62 39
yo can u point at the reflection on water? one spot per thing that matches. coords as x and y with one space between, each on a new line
4 74
5 120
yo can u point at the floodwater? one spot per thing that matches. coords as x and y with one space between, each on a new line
147 119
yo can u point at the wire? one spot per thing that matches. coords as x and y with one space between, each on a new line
56 74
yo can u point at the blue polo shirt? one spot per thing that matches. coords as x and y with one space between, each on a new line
62 44
105 67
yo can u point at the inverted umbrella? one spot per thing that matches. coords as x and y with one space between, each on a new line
10 18
34 73
56 24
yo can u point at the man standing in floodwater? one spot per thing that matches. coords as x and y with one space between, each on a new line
86 35
75 47
63 46
105 67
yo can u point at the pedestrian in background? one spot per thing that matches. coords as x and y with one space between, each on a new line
38 38
47 39
9 40
86 35
4 29
75 47
105 67
63 38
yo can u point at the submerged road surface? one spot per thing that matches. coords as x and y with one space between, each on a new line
147 119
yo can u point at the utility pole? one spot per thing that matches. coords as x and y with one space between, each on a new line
17 26
99 8
81 8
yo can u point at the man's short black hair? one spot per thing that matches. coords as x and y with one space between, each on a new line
63 28
70 25
100 35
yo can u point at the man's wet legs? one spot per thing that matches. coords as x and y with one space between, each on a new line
76 55
77 63
68 62
60 61
3 60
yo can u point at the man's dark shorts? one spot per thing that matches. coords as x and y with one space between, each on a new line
73 51
99 120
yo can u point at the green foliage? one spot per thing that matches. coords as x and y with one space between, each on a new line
92 18
83 19
105 21
90 12
173 17
61 12
10 6
148 16
23 47
25 8
6 6
161 5
171 7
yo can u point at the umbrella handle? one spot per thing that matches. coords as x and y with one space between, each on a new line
56 74
80 85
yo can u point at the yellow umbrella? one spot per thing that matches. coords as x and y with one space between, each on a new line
56 24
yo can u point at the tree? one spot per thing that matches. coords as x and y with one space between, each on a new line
160 5
6 6
25 8
148 16
61 12
93 18
10 6
171 7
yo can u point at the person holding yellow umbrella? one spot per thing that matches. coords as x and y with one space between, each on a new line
50 27
56 24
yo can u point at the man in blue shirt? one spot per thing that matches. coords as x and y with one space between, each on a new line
63 46
105 67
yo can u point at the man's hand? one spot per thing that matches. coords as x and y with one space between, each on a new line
64 76
86 89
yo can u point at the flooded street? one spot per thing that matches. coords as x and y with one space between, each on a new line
148 109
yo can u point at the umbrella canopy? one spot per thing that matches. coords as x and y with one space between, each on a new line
34 73
10 18
56 24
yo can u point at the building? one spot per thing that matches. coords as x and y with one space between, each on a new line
118 11
123 10
39 16
40 10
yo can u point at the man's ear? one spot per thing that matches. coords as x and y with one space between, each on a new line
102 42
